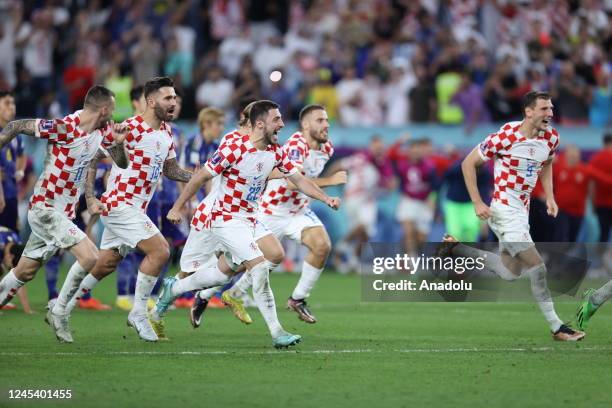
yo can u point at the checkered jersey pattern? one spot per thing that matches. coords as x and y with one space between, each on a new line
362 185
69 152
278 198
147 150
518 162
244 171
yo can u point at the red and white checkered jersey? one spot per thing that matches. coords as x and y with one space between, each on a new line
278 199
69 152
204 208
363 179
147 150
244 172
518 162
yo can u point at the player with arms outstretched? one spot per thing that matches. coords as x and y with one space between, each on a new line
72 143
522 151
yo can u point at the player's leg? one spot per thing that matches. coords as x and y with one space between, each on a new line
591 301
318 243
51 274
125 270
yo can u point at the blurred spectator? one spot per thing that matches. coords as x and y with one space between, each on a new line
146 55
269 56
247 84
571 95
423 106
276 91
215 91
78 78
447 85
371 106
349 90
602 201
9 27
469 98
38 41
395 96
601 101
324 93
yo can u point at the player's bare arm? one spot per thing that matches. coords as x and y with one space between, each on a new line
173 171
546 178
94 206
195 183
336 179
308 187
16 127
469 166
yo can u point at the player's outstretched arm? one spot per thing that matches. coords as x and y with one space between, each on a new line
468 166
336 179
173 171
308 187
94 206
195 183
546 177
15 127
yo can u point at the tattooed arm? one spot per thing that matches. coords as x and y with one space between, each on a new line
15 127
117 153
173 171
94 206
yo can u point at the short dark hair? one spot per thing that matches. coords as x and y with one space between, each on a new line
16 250
307 109
98 95
607 139
154 84
530 98
5 93
136 92
245 111
259 109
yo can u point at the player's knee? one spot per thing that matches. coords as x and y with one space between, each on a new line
25 274
276 255
321 248
88 260
162 254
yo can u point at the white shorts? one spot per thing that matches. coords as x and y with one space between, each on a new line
125 227
290 226
235 236
362 212
416 211
51 230
511 226
193 257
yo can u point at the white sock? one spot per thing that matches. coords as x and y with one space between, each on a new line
310 276
264 298
204 277
540 291
9 285
492 261
206 294
602 294
69 288
144 287
87 284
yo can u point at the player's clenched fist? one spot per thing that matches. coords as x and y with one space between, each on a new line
174 216
482 210
94 206
333 202
120 131
551 208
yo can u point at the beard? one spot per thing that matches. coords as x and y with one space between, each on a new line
163 114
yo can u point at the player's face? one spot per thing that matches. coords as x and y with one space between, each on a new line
164 103
541 114
317 125
7 109
106 113
273 123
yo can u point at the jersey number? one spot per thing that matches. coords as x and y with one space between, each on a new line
156 171
530 168
253 193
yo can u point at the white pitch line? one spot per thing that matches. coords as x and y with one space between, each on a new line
298 351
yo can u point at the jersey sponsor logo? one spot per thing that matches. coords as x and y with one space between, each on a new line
72 231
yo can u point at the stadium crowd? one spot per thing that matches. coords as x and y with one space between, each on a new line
370 62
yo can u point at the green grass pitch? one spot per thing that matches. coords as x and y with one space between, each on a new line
357 355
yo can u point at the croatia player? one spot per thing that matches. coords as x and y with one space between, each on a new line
522 151
72 143
244 164
286 212
123 205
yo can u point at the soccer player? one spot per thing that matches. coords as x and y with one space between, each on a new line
72 143
123 205
286 212
244 164
522 151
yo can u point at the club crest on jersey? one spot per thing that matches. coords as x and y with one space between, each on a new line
158 146
531 151
72 231
259 167
254 246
